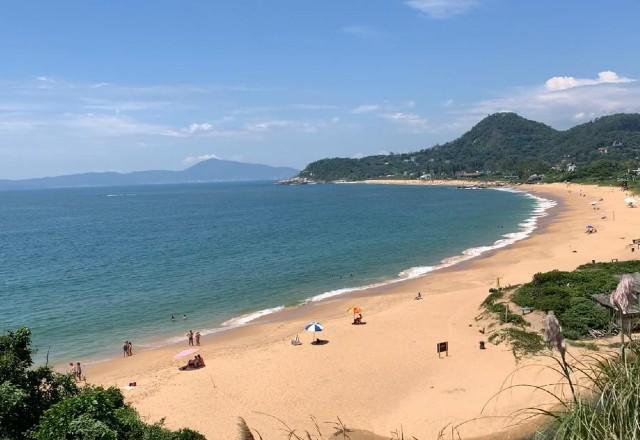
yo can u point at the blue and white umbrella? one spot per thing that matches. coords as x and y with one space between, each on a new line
313 327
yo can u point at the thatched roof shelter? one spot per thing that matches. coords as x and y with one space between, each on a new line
605 301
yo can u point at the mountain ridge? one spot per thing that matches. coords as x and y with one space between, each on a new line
211 170
503 144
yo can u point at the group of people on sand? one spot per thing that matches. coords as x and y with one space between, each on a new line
191 336
194 364
75 370
127 349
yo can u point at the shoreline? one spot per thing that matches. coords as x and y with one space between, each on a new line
530 225
255 370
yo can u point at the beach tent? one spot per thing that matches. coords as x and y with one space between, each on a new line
630 201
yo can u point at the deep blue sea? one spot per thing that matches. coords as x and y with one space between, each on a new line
88 268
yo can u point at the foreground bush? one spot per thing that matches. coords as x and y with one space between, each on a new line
44 405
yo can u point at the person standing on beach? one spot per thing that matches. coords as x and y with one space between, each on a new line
125 349
130 349
78 372
72 369
197 338
190 337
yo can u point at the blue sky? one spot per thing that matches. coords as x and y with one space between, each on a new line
121 85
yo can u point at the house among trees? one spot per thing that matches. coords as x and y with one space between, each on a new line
466 174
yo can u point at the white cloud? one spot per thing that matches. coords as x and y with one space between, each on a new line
568 82
442 8
560 101
192 160
199 127
366 108
266 126
109 125
410 120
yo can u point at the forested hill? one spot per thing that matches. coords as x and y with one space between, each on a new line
506 145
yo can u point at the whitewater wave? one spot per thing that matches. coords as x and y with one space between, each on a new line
526 228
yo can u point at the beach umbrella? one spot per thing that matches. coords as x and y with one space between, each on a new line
594 203
630 201
314 327
185 353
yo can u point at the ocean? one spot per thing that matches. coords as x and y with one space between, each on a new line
88 268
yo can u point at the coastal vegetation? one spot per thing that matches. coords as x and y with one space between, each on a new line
506 146
569 295
36 403
608 406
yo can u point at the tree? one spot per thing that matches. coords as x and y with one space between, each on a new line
44 405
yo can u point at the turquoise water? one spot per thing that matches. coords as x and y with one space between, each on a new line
88 268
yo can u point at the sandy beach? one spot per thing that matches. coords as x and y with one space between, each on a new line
386 374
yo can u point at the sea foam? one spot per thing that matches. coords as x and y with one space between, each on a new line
526 228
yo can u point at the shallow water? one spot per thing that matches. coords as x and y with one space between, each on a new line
88 268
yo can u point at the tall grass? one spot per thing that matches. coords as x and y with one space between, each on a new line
608 409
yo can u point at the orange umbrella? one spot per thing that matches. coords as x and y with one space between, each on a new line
355 309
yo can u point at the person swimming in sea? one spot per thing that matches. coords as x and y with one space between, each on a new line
173 318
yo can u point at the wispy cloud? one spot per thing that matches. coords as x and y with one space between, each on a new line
113 125
300 126
441 9
399 114
366 108
412 121
192 160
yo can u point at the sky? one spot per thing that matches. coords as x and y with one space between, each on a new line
93 85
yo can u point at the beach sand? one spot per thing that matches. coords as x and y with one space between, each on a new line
386 374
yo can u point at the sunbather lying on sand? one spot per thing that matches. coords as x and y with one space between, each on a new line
193 364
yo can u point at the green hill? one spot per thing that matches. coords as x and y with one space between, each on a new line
506 145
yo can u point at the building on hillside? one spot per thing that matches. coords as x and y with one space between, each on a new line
466 174
603 150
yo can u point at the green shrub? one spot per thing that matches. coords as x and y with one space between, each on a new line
582 315
500 310
523 343
43 405
569 294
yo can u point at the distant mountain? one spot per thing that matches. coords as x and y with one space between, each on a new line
509 145
212 170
